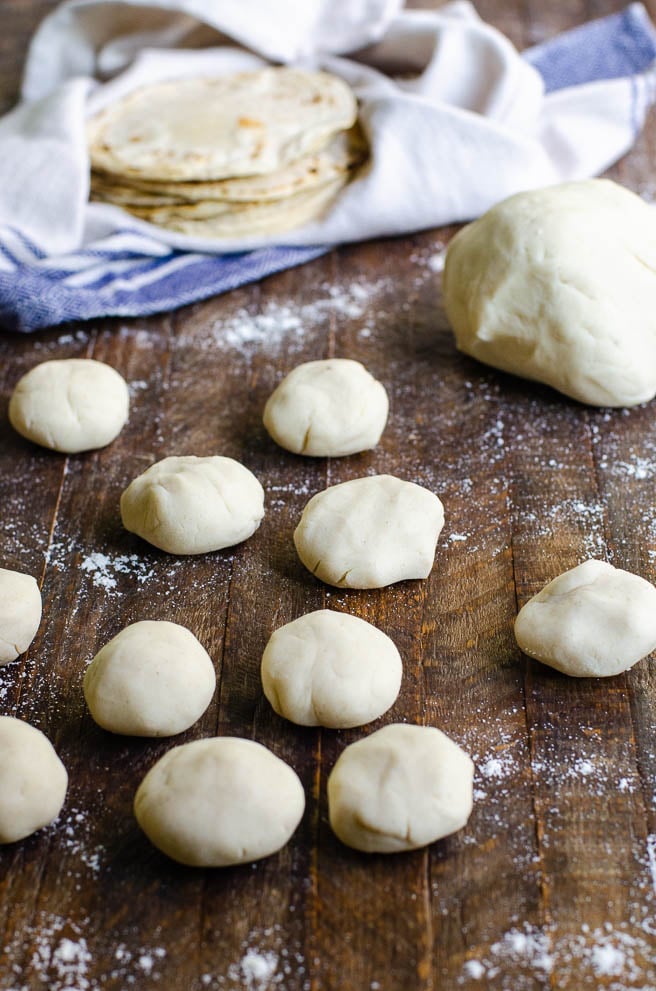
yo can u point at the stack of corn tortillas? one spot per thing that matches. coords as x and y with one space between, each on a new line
239 155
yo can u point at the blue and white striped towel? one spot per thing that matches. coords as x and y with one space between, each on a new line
599 74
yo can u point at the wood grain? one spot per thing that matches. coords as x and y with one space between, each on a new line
552 884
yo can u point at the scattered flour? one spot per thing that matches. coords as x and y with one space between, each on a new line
79 337
115 574
607 960
435 262
62 958
258 969
267 961
137 385
619 958
73 831
280 496
47 343
582 768
497 767
66 962
104 567
431 258
474 969
651 858
283 322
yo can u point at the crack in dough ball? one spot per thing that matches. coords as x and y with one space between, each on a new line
370 532
331 669
559 285
593 621
400 788
219 801
20 613
327 408
70 405
153 679
190 505
33 780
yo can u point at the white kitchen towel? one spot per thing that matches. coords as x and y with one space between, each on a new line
456 120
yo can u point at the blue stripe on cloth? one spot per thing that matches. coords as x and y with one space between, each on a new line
130 274
619 45
32 297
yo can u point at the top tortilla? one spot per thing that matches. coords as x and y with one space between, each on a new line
248 123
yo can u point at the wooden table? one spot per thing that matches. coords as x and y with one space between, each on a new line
553 882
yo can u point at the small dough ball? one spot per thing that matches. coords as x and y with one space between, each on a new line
370 532
538 288
153 679
331 669
33 780
593 621
400 788
71 405
327 408
20 613
217 802
190 505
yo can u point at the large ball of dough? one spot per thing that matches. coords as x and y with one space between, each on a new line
327 408
33 780
153 679
221 801
559 285
593 621
370 532
400 788
190 505
20 613
331 669
70 405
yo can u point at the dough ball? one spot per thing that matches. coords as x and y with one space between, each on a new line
331 669
594 621
33 780
400 788
20 613
370 532
192 505
537 287
220 801
153 679
327 408
72 405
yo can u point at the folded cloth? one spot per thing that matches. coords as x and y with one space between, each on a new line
467 123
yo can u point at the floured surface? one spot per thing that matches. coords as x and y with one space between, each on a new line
565 782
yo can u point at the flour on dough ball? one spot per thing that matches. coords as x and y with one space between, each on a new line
153 679
219 801
327 408
370 532
331 669
538 287
70 405
20 613
33 780
593 621
400 788
190 505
